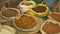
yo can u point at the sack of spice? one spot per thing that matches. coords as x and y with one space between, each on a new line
50 27
9 13
27 24
54 16
40 10
26 5
5 29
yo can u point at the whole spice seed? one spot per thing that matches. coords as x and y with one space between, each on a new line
39 9
25 22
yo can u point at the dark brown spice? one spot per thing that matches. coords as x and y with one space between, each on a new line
39 9
9 13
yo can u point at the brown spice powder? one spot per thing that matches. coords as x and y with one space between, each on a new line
51 28
27 3
55 16
9 13
25 22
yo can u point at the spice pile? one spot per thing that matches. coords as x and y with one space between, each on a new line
39 9
55 16
9 13
26 22
27 4
51 28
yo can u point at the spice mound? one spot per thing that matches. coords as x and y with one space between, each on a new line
9 13
55 16
27 3
25 22
51 28
39 9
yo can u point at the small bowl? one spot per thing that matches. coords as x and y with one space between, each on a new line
10 18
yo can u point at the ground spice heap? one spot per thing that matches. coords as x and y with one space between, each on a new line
27 3
25 22
55 16
9 13
51 28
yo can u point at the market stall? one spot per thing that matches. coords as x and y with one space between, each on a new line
29 16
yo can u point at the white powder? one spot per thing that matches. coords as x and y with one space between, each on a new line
7 30
4 31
